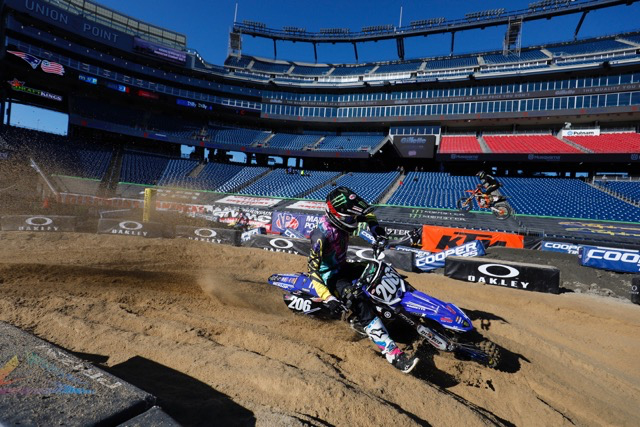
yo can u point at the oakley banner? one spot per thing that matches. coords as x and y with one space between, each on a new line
634 294
209 235
39 223
623 260
436 239
398 259
130 228
530 277
279 244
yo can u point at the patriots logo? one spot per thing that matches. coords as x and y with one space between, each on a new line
31 60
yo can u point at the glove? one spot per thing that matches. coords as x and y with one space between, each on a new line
334 305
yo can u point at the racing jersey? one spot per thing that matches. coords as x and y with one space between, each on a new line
329 252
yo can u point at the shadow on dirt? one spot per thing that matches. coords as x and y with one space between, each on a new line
187 400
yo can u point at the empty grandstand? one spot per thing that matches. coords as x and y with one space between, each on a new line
404 133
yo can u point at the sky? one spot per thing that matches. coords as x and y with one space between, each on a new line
206 24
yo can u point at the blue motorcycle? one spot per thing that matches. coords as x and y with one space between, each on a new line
442 324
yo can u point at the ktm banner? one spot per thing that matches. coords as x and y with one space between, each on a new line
436 239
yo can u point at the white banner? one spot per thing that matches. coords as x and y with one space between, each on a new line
580 132
308 205
249 201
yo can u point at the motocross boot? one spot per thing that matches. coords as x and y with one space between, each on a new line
379 335
404 362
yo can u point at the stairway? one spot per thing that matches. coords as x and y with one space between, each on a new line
392 189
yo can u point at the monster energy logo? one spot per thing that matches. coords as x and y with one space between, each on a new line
339 200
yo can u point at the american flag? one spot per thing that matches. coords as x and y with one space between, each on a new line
52 67
32 60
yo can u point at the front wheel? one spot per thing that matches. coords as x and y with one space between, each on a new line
502 210
464 204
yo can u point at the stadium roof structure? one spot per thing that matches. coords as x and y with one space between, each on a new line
544 9
119 21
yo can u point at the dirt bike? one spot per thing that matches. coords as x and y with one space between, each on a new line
440 324
497 204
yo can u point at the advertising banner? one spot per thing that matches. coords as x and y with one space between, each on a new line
279 244
580 132
159 51
634 294
302 223
436 239
530 277
622 260
430 262
39 223
246 235
249 201
294 234
398 259
308 205
567 248
130 228
230 214
415 146
209 235
61 18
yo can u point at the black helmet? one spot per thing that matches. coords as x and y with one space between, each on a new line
481 174
344 207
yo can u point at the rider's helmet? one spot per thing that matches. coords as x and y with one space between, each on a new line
481 174
344 207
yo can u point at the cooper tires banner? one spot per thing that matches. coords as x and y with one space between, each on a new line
530 277
38 223
209 235
622 260
130 228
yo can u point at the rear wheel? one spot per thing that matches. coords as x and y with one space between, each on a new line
464 203
502 210
492 351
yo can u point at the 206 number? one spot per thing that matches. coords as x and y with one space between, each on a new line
388 286
300 304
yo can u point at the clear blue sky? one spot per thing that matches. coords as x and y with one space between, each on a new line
206 23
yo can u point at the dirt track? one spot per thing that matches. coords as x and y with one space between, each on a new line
196 325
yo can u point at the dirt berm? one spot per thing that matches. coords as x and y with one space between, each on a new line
196 325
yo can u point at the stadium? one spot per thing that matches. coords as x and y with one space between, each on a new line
121 242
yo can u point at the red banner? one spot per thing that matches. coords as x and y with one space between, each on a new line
436 239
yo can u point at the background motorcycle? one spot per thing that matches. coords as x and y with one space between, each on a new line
497 204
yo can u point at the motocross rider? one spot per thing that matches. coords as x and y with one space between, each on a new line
488 184
333 277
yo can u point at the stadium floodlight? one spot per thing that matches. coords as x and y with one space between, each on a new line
257 25
484 14
378 28
294 30
427 22
334 31
544 4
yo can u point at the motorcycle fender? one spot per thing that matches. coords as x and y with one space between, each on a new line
292 282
